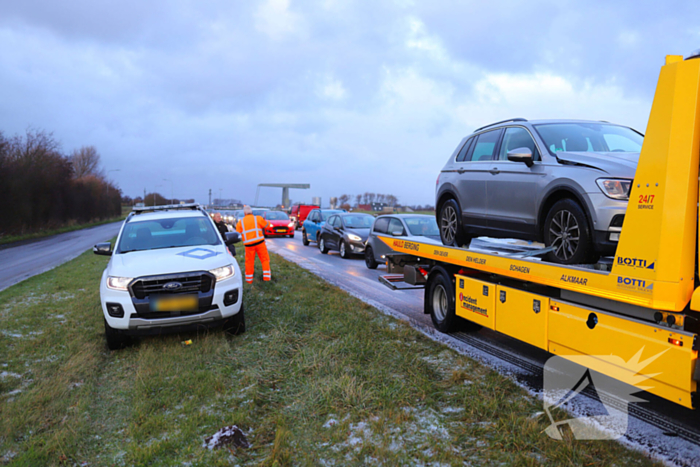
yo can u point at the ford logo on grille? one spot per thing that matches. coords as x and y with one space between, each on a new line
172 286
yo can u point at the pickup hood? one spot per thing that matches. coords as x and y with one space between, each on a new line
169 261
615 164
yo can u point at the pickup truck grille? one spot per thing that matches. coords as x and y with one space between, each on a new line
196 282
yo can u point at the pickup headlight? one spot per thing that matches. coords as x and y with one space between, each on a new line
223 272
354 238
118 283
615 189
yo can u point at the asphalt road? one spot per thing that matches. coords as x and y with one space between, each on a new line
666 430
26 259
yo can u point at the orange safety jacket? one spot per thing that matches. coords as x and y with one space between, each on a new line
250 228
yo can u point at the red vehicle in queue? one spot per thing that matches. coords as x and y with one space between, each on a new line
278 224
300 212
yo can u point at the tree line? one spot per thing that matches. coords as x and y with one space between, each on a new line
41 187
343 201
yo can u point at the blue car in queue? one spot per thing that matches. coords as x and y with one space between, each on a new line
345 232
311 228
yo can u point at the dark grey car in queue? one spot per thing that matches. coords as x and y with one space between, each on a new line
412 226
346 233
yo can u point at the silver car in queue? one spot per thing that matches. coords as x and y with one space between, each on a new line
417 226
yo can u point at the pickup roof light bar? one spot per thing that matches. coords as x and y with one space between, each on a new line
166 207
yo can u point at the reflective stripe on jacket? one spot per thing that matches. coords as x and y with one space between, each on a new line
250 228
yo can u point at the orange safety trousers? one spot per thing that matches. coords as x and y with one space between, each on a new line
250 252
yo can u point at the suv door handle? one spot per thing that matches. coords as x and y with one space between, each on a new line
495 171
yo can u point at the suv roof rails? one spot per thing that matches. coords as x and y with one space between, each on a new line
166 207
502 121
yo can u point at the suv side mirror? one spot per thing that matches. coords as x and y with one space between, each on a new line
232 237
521 155
103 249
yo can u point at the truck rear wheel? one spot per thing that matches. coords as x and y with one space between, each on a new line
441 301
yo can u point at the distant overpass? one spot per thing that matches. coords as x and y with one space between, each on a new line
285 190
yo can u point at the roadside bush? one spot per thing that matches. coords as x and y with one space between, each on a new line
39 189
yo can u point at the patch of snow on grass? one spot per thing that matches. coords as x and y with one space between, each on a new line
8 374
12 334
330 423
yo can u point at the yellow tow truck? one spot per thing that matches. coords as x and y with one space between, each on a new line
644 309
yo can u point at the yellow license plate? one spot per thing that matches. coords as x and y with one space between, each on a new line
180 303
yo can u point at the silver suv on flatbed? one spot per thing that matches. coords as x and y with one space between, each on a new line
565 183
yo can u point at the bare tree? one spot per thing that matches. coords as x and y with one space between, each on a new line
391 200
343 199
358 199
86 161
371 197
365 198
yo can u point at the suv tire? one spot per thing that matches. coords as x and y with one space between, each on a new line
450 224
566 228
304 238
235 325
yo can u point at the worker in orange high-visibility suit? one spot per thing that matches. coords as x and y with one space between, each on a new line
251 228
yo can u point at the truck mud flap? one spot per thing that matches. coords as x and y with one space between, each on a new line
396 282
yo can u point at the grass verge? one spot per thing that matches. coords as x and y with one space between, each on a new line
70 227
319 378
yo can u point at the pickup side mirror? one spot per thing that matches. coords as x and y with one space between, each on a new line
231 238
103 249
521 155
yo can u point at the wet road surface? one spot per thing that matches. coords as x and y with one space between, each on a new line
26 259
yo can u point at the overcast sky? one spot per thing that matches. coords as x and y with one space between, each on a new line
349 96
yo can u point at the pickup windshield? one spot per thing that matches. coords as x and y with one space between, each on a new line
589 137
167 233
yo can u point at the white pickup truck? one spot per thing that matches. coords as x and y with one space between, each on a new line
170 271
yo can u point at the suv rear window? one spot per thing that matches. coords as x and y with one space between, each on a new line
485 146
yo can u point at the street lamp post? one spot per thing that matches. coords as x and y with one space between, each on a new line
172 197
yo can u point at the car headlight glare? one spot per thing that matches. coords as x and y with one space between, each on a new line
615 188
354 238
291 224
223 272
118 283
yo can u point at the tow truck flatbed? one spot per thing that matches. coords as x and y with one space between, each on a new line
644 309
